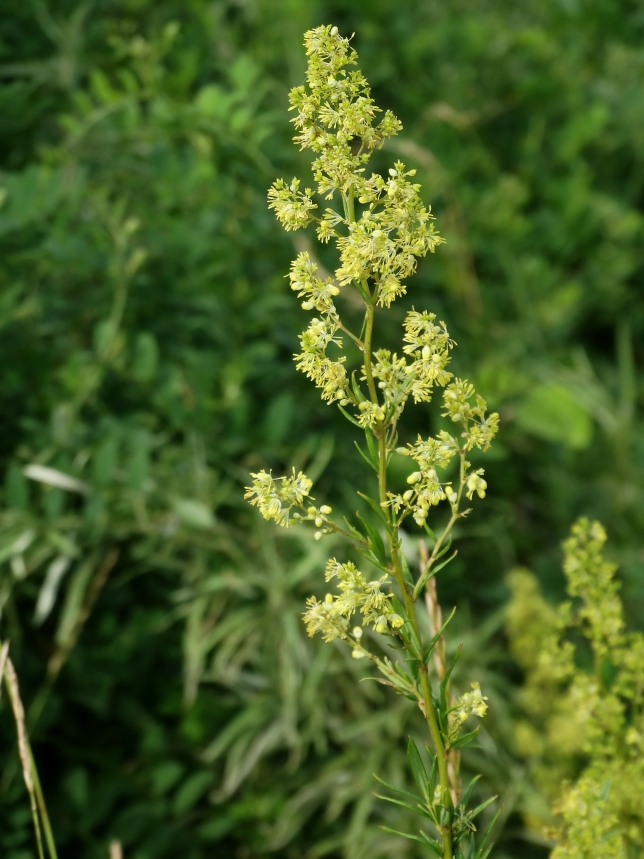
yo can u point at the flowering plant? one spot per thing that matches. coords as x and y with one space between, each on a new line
380 231
584 678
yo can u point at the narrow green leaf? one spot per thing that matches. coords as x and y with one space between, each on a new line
365 457
448 674
482 806
375 506
354 531
418 809
465 740
404 834
470 790
420 584
430 533
356 388
417 768
405 567
375 540
433 776
348 416
372 558
397 789
371 444
432 844
479 853
432 644
444 549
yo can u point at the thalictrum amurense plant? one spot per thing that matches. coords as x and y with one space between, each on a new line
381 228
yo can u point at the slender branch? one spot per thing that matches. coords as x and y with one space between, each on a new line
355 339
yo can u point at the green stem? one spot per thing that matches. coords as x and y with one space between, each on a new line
430 714
456 514
368 334
392 537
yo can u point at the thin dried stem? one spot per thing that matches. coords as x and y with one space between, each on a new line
24 750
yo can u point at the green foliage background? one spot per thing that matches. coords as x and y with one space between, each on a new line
147 332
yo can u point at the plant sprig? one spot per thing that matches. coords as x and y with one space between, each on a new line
381 231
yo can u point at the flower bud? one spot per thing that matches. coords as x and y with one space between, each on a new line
357 632
403 451
334 31
325 509
319 522
358 653
414 478
317 535
407 496
426 351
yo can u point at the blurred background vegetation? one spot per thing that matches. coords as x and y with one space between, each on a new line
147 333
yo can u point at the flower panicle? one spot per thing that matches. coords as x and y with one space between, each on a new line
356 595
276 497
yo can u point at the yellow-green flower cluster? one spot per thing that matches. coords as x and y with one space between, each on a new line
429 345
292 206
356 594
479 430
276 497
393 231
318 294
426 488
591 829
329 375
313 361
335 117
335 110
471 704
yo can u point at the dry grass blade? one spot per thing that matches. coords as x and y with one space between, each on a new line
29 772
4 653
24 751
